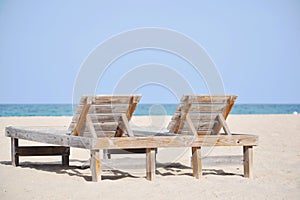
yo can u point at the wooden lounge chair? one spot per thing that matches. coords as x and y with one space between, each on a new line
204 116
96 116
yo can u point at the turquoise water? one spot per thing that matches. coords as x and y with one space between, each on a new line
141 110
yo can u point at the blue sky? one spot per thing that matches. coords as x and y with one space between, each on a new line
255 46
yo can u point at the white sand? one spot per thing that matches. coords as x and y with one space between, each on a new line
276 167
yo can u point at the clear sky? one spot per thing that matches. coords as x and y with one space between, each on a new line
254 44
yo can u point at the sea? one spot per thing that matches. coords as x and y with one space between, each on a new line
7 110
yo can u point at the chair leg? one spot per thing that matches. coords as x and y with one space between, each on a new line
14 150
196 162
248 161
150 163
65 157
95 166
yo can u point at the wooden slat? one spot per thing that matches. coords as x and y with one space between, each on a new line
126 125
105 126
174 141
198 116
189 132
131 142
102 117
203 108
184 111
100 134
198 125
42 151
109 108
82 118
113 99
224 124
208 98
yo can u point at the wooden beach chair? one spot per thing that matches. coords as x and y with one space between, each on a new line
96 116
203 116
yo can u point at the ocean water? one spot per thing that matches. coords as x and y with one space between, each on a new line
141 110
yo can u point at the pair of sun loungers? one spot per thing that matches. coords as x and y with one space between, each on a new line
102 123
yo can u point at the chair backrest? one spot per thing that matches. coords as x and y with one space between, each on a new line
202 114
104 115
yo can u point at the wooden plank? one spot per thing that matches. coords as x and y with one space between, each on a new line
95 166
248 161
100 134
189 132
150 163
101 127
106 108
131 142
224 124
42 151
206 108
126 125
198 125
112 99
82 118
173 141
14 149
184 110
49 136
101 117
196 162
197 116
208 98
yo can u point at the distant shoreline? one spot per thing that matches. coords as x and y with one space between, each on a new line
7 110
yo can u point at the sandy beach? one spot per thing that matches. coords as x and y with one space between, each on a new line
276 166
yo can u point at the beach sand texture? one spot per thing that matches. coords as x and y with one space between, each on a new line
276 166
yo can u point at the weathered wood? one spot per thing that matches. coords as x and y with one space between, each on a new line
100 134
224 124
248 161
208 98
95 166
196 162
49 136
14 155
203 117
184 111
91 126
106 108
191 125
82 118
42 135
204 108
173 141
150 163
101 117
42 151
126 125
198 125
112 99
105 126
